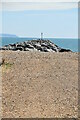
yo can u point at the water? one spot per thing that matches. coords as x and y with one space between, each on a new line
71 44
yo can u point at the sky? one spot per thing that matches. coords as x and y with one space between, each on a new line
55 20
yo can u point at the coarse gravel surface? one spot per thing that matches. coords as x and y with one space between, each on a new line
39 84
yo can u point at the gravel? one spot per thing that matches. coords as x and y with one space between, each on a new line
39 84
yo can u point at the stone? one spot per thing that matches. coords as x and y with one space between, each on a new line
35 45
64 50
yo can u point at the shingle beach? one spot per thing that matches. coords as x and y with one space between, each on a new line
39 84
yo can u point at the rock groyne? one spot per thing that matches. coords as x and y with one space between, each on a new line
35 45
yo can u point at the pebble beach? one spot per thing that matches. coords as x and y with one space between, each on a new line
39 84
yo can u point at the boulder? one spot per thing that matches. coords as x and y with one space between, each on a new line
35 45
64 50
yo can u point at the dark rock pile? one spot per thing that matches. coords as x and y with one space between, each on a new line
35 45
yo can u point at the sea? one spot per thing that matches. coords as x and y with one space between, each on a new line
66 43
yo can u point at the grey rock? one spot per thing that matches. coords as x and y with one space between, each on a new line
35 45
64 50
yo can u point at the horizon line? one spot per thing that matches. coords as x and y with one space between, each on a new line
35 36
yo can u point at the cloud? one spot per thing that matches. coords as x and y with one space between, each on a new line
40 0
21 6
